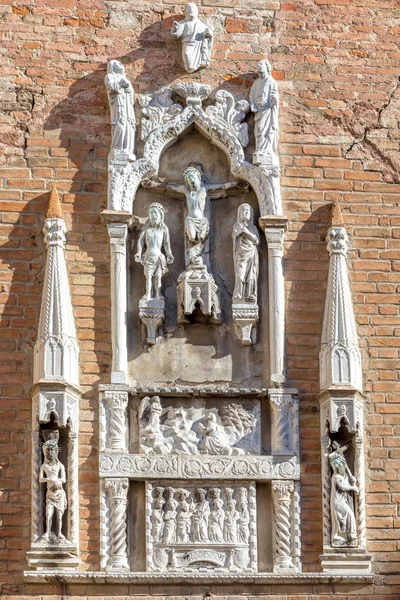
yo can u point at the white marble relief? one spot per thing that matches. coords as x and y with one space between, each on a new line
52 473
245 255
230 113
121 98
196 39
157 108
343 489
199 527
193 430
264 102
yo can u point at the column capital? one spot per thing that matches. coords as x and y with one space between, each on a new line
116 216
273 222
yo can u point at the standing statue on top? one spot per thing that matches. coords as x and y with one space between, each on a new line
264 102
121 98
245 254
197 39
153 239
52 472
343 486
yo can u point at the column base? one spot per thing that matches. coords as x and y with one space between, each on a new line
346 560
53 558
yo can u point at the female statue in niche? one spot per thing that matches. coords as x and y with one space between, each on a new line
52 472
264 102
196 38
121 98
245 254
153 239
343 483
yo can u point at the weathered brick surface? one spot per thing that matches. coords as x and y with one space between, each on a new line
337 62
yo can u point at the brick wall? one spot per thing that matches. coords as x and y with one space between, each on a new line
337 62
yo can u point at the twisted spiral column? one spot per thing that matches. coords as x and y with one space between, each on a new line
282 501
326 490
72 486
36 526
117 490
117 403
360 497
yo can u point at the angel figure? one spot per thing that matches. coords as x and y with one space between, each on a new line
152 440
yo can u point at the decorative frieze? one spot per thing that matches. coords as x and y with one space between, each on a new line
139 466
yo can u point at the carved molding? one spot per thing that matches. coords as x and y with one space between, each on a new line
260 468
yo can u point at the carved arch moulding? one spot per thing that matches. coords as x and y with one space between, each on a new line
222 130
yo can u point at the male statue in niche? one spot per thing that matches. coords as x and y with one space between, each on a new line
343 485
52 472
153 239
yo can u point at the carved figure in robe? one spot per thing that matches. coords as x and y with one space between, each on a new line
201 514
52 472
152 440
177 429
196 192
196 299
217 516
121 99
169 533
343 485
183 517
157 519
245 254
243 532
264 102
196 37
230 523
153 239
218 439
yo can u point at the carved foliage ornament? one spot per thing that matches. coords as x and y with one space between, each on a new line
231 113
157 108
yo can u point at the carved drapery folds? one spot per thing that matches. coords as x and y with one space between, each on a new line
55 412
341 415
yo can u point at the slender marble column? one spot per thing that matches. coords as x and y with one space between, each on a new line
274 229
117 490
282 492
118 234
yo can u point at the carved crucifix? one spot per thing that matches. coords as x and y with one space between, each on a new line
196 192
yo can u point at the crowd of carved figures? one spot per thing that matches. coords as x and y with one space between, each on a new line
200 516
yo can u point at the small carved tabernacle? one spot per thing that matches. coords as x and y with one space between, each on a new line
201 528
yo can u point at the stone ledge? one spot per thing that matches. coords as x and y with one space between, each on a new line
99 577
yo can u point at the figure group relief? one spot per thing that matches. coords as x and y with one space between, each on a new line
189 430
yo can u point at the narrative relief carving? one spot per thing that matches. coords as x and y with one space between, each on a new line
52 473
245 257
196 39
200 528
343 489
191 430
154 253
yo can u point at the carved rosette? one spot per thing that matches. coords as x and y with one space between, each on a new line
117 490
117 403
282 493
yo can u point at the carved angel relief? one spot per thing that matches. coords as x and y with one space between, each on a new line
181 430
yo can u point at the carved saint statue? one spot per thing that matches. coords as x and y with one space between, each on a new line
121 97
264 102
217 516
157 519
183 516
52 472
343 485
243 530
201 513
230 524
196 39
245 254
153 239
169 533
